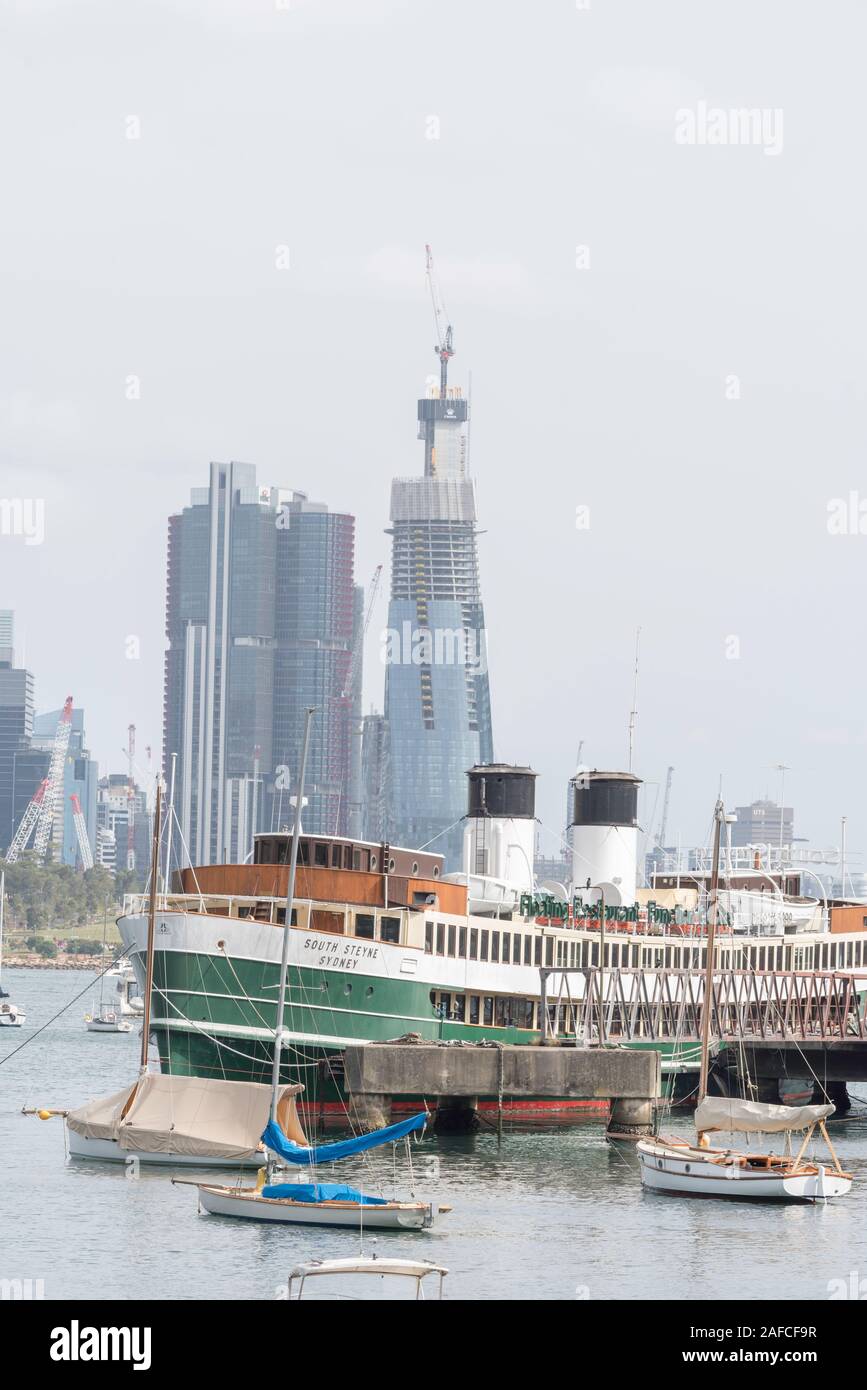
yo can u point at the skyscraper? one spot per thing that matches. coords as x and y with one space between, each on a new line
260 622
437 700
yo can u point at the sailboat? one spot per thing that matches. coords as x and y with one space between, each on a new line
10 1014
164 1119
675 1166
312 1203
105 1019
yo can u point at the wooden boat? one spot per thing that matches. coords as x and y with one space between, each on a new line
311 1203
675 1166
419 1270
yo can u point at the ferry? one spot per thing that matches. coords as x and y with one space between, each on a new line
385 944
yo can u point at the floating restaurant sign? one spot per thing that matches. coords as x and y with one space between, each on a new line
546 907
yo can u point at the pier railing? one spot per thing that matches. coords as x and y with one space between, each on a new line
593 1005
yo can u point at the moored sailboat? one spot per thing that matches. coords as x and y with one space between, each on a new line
674 1166
11 1016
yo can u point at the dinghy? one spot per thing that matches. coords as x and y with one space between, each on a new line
675 1166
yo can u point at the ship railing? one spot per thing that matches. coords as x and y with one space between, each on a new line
626 1005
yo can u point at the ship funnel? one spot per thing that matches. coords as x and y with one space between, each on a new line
605 835
500 833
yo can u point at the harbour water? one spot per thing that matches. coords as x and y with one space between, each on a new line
558 1214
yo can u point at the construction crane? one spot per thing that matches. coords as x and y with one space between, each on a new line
81 831
130 798
28 821
358 650
54 790
660 839
444 346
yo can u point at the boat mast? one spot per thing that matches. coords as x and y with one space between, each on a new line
718 815
149 972
287 924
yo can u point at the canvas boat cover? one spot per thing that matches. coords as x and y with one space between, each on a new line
322 1192
753 1117
294 1153
186 1115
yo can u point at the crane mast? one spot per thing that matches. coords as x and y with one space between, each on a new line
130 798
660 839
28 821
444 346
81 831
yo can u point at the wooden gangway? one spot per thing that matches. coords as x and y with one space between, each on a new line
626 1005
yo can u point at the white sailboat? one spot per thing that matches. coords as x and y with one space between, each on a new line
312 1203
104 1018
682 1169
11 1016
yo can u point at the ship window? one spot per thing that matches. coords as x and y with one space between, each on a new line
506 943
415 867
389 929
495 945
280 917
549 951
335 856
428 938
445 1007
347 856
488 1015
460 1008
474 1008
501 1013
436 871
537 954
528 947
373 861
483 954
453 936
462 943
529 1011
391 866
356 858
441 938
303 852
364 924
474 943
323 920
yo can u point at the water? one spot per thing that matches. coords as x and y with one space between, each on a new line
558 1214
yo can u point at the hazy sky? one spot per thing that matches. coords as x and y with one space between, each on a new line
698 385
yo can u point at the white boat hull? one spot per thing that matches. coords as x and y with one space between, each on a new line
109 1151
11 1017
690 1172
396 1216
98 1025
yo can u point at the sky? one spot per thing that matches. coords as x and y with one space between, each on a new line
212 247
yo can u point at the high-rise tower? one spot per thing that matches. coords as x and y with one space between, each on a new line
437 700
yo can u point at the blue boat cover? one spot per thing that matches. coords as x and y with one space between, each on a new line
321 1192
276 1140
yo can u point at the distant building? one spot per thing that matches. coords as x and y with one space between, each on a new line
261 618
16 726
113 806
759 824
374 778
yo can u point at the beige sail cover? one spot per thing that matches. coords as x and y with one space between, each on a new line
185 1115
752 1116
99 1119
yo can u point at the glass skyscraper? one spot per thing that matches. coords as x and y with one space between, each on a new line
260 621
437 699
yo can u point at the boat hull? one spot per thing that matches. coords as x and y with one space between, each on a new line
109 1151
12 1017
396 1216
688 1172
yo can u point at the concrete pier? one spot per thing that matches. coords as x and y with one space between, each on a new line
457 1076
